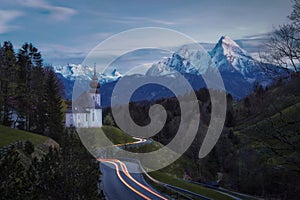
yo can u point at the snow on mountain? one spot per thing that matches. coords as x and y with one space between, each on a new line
160 69
227 55
115 73
183 61
73 71
239 70
109 77
230 57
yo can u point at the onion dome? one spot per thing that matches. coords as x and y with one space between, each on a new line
94 84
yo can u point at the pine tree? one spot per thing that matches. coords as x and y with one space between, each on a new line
24 90
8 81
54 114
30 86
1 74
39 113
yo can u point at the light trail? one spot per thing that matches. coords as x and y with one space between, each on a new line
124 182
139 140
138 183
126 172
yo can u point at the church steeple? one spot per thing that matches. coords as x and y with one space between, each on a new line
94 84
94 69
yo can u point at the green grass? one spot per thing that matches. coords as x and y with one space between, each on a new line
102 137
277 98
166 191
146 148
290 113
10 135
116 136
177 169
277 114
188 186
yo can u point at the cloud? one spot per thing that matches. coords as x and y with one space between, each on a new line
133 20
58 13
258 36
58 50
151 20
101 36
6 17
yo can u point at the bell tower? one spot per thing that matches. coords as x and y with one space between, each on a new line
95 89
96 111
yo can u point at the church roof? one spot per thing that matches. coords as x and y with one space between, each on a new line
84 102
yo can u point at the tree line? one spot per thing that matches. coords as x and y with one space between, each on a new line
29 91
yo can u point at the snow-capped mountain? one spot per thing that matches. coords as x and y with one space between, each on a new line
240 71
230 57
227 55
183 61
73 71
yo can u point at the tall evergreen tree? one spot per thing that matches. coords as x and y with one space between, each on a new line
8 81
24 90
1 71
30 85
53 104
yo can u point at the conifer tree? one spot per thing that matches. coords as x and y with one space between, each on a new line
8 83
24 90
30 86
1 71
54 114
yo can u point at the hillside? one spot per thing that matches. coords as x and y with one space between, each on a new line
9 135
260 142
47 173
116 136
267 128
264 103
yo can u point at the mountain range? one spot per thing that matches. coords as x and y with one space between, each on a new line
239 70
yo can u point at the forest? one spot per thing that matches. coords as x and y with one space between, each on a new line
30 100
30 93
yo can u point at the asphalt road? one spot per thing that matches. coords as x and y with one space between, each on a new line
119 184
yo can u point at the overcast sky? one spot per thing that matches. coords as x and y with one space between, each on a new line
66 30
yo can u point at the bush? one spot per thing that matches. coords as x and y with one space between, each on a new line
29 147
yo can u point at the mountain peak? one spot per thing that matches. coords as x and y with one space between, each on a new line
229 56
116 73
183 52
229 48
225 40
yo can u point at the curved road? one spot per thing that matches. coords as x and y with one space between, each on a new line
118 183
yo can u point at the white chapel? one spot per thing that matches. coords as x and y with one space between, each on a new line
87 110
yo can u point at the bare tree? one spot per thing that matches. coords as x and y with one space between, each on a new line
283 46
295 15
